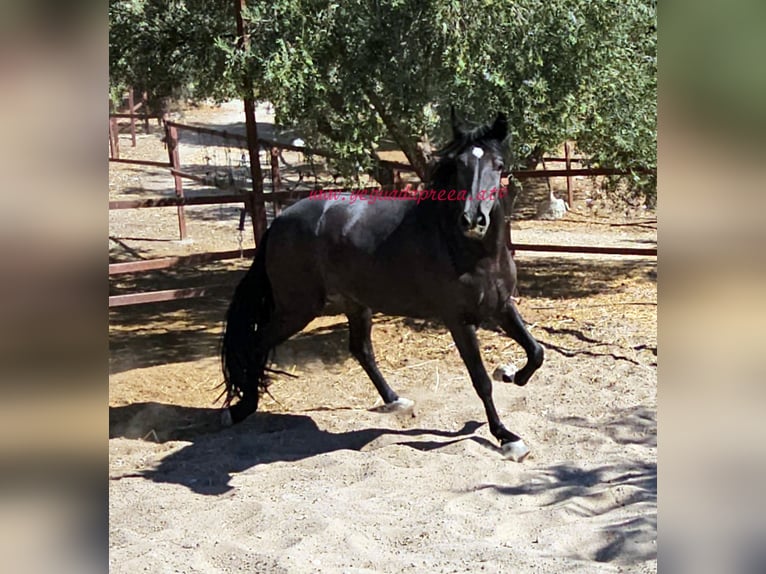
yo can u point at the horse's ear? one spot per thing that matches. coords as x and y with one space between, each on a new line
456 131
500 127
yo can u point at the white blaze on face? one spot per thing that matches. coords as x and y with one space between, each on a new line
476 152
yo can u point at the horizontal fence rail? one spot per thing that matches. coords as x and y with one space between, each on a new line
646 251
224 134
147 162
196 292
175 201
168 262
167 295
128 116
591 171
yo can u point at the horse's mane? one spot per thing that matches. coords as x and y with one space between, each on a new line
483 134
444 166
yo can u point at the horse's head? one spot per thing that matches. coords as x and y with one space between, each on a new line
475 162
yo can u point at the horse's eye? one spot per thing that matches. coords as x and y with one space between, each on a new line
499 166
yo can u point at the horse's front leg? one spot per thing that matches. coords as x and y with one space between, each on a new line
513 325
468 346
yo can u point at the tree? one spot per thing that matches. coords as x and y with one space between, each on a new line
355 75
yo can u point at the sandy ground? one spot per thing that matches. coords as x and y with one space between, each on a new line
317 482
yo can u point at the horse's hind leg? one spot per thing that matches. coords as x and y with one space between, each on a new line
468 346
360 345
512 323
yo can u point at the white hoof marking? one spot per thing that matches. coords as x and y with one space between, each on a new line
505 373
226 418
399 405
517 451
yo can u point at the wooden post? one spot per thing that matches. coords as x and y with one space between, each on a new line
171 138
512 188
257 207
114 137
131 105
568 159
275 178
145 107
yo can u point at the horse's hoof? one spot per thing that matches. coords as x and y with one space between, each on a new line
516 450
400 405
504 373
226 419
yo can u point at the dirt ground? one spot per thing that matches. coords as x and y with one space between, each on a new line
318 482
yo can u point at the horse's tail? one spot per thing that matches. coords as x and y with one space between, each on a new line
243 356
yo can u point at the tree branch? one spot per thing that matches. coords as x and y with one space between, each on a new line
406 143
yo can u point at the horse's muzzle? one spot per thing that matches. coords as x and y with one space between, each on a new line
475 233
475 229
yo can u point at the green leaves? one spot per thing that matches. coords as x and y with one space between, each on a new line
356 75
171 49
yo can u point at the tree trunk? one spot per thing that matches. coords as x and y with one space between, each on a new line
256 203
531 161
404 141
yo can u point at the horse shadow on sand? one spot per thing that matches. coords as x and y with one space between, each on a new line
215 454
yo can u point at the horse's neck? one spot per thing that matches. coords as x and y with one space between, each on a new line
444 214
466 254
494 240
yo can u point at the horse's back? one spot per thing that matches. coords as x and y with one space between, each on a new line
357 250
380 255
341 225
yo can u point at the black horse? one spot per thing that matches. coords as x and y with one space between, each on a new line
441 260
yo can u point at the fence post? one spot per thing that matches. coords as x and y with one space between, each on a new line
114 138
131 105
568 159
275 179
171 137
145 107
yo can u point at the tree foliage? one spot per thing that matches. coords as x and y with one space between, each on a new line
358 74
169 48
